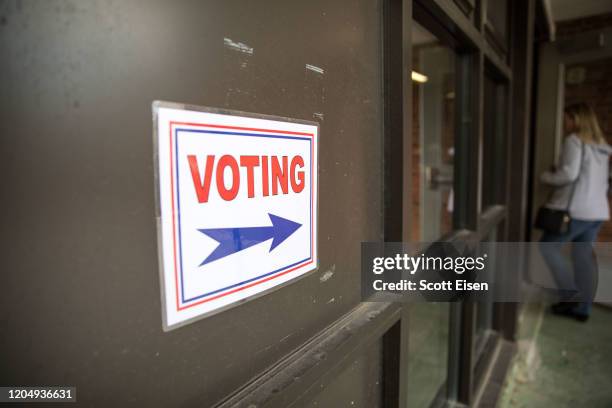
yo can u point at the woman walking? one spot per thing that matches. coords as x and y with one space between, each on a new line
581 182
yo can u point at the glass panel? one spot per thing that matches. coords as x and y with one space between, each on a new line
427 353
432 180
484 309
494 149
432 136
497 21
493 185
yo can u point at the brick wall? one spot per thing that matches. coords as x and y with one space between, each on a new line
415 232
596 87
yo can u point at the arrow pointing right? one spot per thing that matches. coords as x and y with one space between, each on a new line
232 240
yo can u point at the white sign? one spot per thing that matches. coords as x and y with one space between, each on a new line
237 206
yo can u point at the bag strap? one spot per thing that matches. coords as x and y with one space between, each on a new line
571 197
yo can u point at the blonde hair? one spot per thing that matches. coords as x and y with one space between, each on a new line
585 122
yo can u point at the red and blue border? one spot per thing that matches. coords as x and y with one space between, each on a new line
181 302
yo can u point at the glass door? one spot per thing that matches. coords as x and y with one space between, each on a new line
458 152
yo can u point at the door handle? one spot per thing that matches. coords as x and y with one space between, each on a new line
436 179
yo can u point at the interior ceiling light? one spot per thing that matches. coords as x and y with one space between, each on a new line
418 77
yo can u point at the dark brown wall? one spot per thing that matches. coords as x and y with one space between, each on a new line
80 300
572 27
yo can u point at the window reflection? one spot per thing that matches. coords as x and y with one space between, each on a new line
432 136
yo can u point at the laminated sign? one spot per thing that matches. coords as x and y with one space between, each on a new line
237 198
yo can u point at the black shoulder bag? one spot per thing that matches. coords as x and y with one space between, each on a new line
557 221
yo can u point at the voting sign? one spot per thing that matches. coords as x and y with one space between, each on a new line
237 206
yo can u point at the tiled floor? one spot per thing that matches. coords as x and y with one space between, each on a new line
575 367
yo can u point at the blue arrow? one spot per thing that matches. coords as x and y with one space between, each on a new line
232 240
